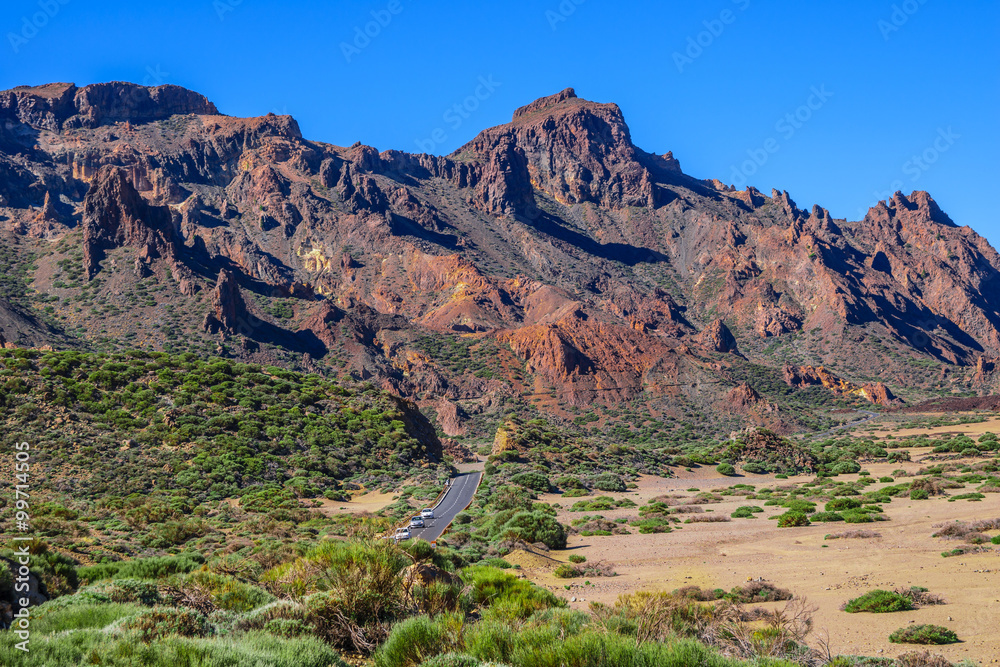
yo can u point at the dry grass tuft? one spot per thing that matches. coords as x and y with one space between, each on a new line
854 535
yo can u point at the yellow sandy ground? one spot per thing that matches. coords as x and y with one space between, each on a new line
827 572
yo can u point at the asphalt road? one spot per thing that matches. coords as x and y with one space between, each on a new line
460 492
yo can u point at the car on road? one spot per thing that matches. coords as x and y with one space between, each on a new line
401 534
416 522
427 513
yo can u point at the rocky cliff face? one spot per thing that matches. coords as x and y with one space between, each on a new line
114 215
547 255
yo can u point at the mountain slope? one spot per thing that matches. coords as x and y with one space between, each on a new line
548 258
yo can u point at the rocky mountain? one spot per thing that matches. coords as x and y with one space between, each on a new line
548 261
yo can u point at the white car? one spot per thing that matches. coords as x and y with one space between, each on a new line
401 534
416 522
427 513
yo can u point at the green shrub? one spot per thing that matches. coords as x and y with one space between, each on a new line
565 571
569 482
452 660
826 516
726 469
534 527
289 627
414 640
995 540
160 622
518 598
50 619
142 568
793 519
226 592
532 480
886 479
879 601
798 505
839 504
129 590
971 497
919 494
845 468
923 634
652 524
576 558
609 482
95 647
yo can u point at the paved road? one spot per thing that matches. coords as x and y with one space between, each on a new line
459 495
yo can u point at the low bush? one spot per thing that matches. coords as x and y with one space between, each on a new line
879 601
142 568
746 512
565 571
653 524
161 622
95 647
972 497
758 591
793 519
415 639
923 634
919 494
726 469
609 482
576 558
532 480
839 504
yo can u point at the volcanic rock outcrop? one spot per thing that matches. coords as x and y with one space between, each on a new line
228 309
115 215
804 376
548 254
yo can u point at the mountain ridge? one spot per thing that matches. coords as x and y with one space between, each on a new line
596 270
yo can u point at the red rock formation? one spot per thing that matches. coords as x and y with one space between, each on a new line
717 337
592 261
228 309
873 392
57 105
115 215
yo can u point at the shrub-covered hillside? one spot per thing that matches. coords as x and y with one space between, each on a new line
111 425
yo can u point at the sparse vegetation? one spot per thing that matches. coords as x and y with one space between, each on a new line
923 634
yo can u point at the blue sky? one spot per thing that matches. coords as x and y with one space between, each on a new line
838 103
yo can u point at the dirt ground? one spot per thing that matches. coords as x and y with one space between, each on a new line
881 429
827 572
372 501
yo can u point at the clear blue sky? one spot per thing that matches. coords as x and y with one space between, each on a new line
905 78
